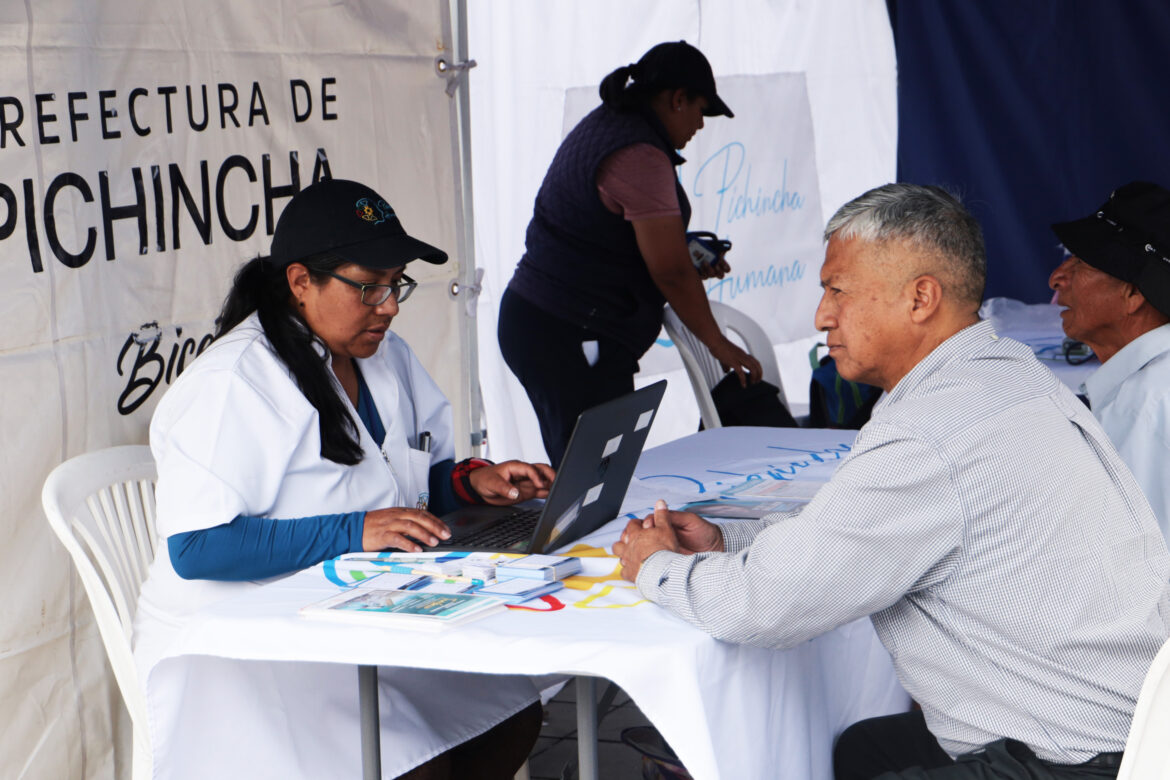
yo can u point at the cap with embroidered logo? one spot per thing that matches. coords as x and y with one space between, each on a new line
349 220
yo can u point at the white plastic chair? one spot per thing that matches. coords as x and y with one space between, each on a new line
1147 749
101 506
704 371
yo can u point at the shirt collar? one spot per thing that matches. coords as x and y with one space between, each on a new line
961 345
1130 359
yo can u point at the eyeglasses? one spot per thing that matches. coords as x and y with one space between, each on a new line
377 294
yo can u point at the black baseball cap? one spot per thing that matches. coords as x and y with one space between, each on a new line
678 64
1127 237
349 220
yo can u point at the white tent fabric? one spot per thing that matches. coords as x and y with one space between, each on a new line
531 54
125 215
116 251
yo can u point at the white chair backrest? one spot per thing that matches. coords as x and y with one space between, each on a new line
1147 750
704 371
101 506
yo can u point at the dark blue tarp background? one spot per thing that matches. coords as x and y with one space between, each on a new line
1033 111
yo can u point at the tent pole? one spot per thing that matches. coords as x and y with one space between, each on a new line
465 290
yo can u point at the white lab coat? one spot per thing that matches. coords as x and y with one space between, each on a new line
234 435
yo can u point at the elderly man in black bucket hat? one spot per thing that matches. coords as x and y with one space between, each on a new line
1115 290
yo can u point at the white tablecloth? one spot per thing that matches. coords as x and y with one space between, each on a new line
728 711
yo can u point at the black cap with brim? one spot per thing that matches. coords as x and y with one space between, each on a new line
1128 238
348 220
716 107
678 64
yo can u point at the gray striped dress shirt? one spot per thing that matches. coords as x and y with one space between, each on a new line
1006 556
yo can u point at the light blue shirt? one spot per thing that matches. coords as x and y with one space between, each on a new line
1130 395
1002 549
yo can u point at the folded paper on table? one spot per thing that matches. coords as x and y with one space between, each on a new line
519 589
405 562
444 585
385 580
403 608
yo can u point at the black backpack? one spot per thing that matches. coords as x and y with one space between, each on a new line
835 402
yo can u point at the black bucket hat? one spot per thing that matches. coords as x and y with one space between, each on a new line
349 220
1129 238
678 64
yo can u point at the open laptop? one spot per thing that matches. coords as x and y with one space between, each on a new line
587 492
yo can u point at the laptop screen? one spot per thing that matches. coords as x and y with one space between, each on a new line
597 468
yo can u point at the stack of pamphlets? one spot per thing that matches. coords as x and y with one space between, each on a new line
539 567
390 581
479 566
518 589
403 608
512 580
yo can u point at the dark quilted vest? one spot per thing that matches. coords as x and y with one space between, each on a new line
582 262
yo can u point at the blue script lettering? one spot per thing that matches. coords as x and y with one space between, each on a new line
734 285
736 201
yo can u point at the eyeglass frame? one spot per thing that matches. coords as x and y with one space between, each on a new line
394 290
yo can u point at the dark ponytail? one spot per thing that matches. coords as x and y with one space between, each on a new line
262 288
622 91
666 67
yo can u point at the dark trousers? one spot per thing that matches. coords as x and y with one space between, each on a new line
546 355
900 746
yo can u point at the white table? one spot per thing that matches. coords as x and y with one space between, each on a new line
729 711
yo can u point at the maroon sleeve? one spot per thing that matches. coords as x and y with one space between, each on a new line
638 182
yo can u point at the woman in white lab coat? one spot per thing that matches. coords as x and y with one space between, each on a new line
297 436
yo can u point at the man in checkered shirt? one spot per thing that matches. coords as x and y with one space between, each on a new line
1004 552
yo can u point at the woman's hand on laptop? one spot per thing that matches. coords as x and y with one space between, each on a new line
512 481
397 528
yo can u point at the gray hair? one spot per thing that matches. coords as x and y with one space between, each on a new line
928 217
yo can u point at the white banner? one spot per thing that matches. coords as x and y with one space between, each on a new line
146 151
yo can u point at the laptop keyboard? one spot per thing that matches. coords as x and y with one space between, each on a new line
510 529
